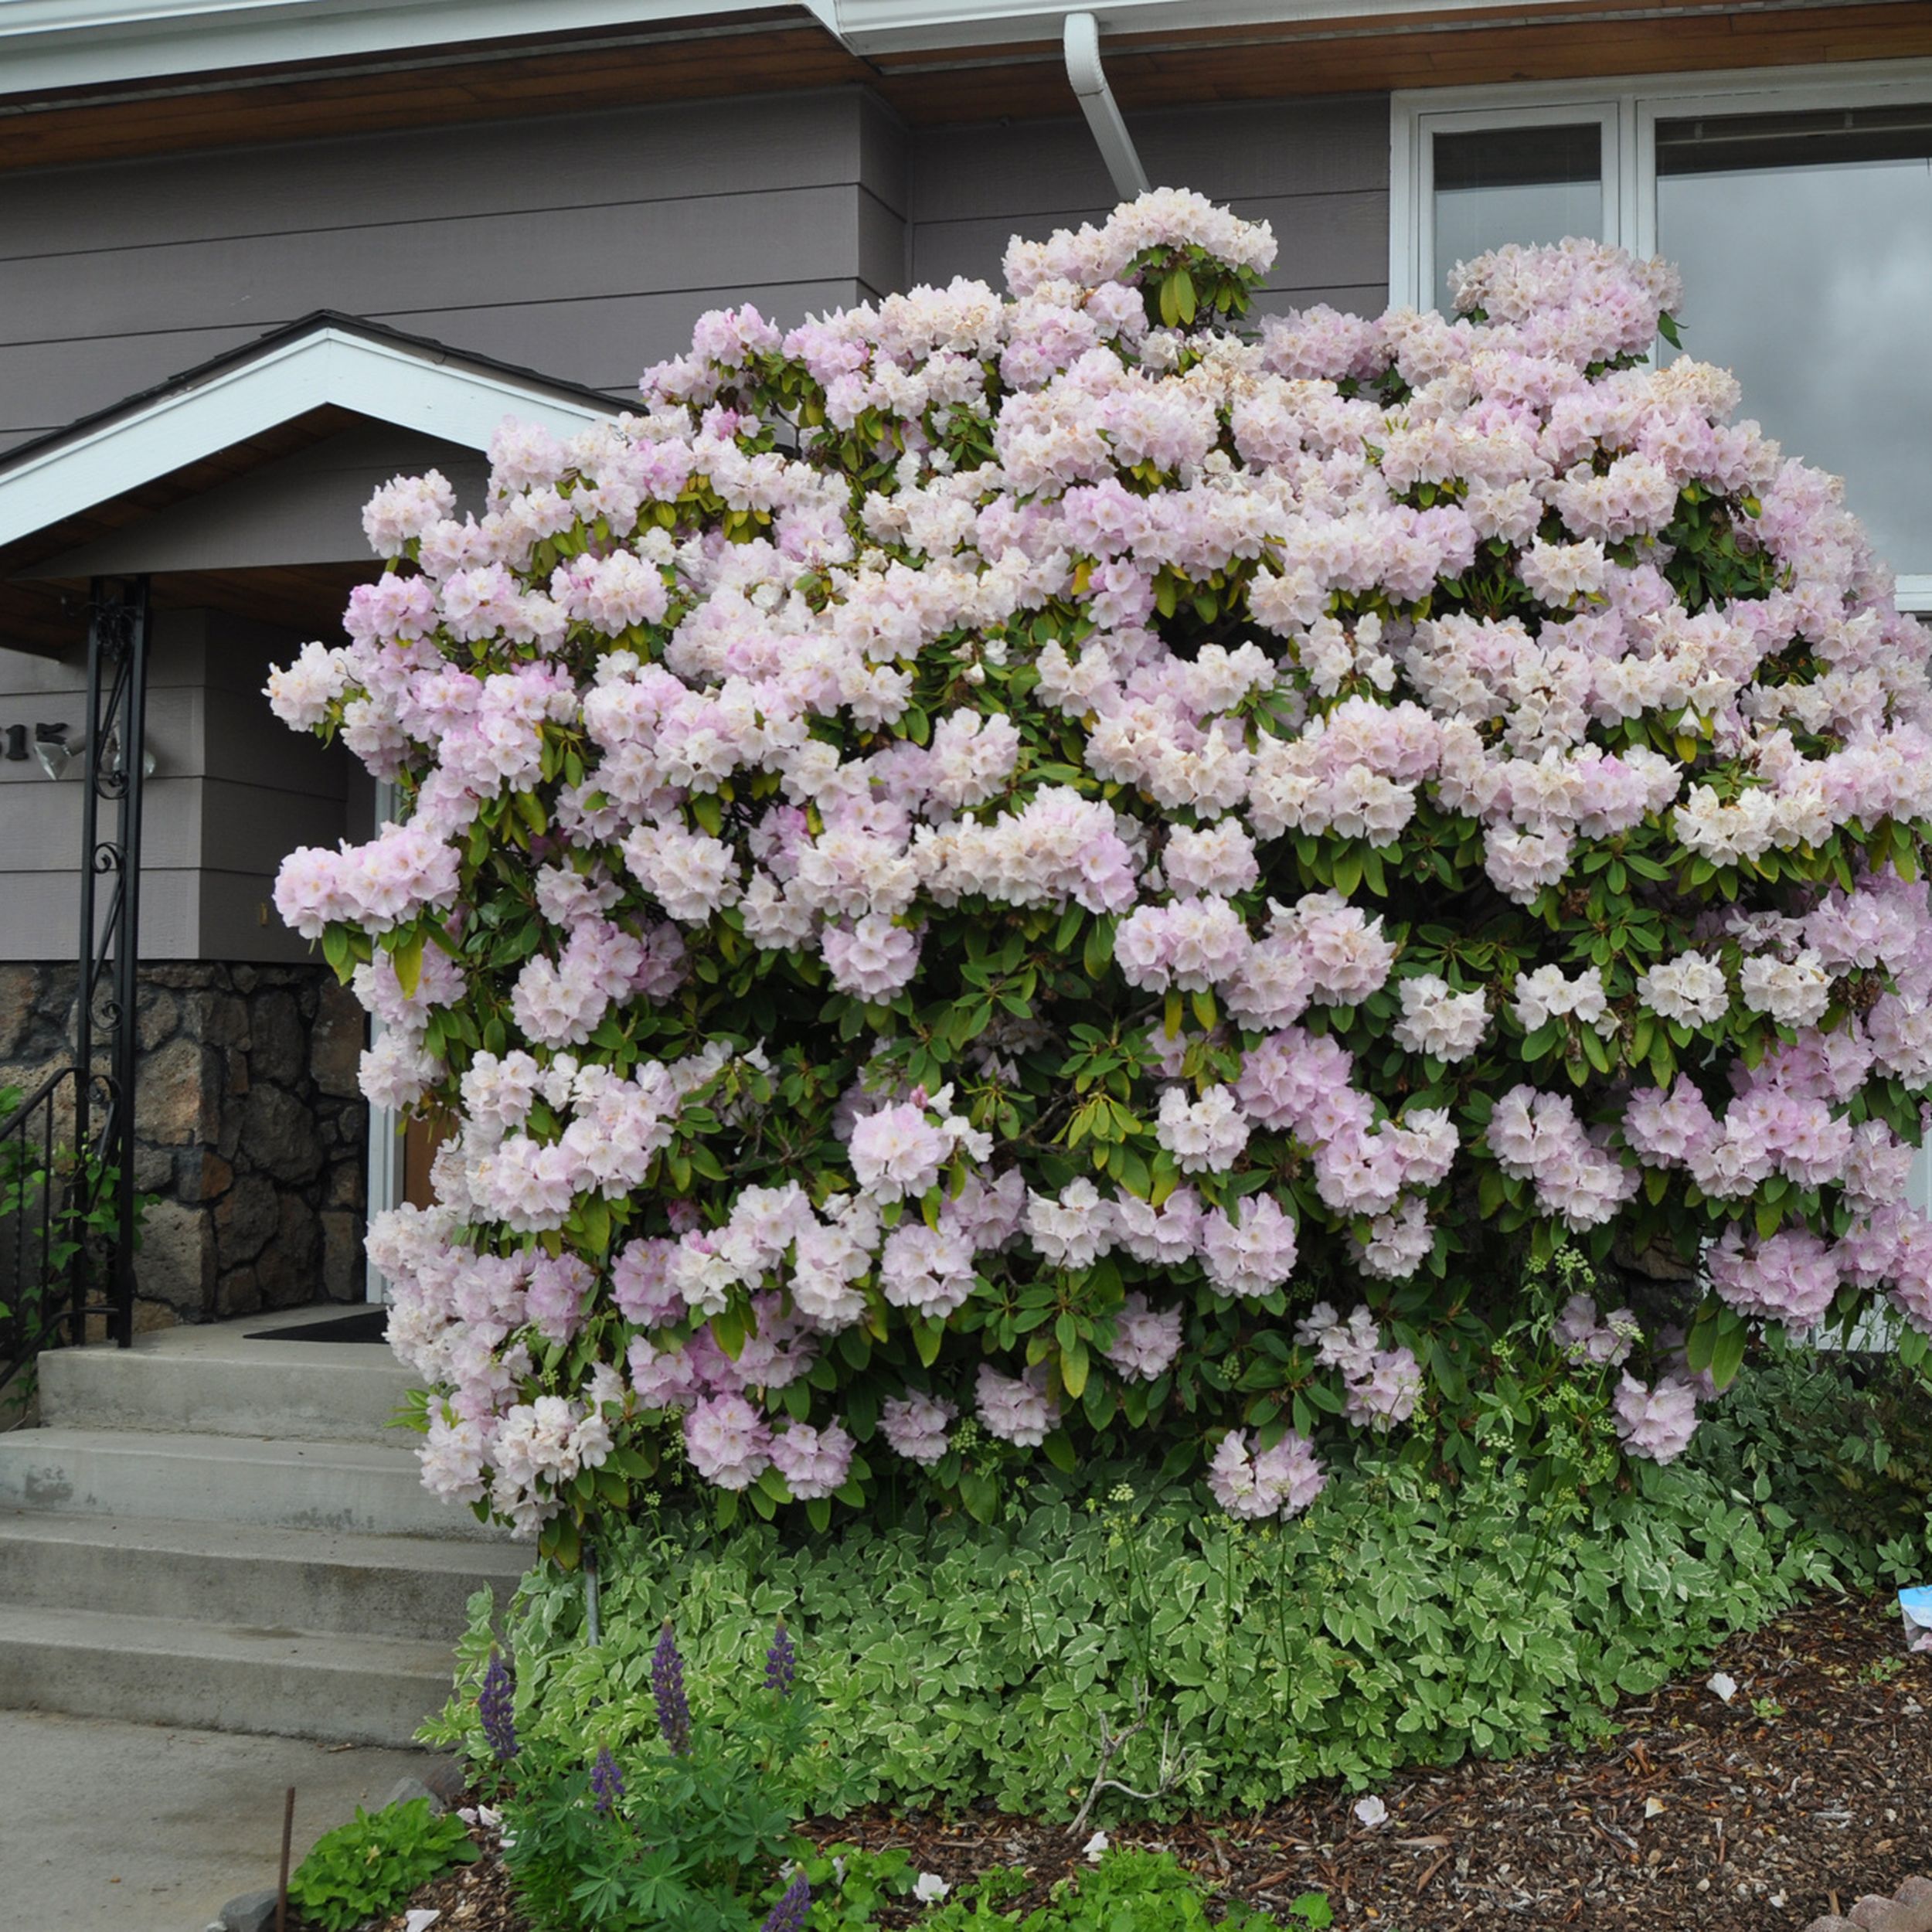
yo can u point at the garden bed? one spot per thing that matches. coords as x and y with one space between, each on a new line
1804 1791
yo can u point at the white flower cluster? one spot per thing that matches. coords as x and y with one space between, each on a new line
1057 674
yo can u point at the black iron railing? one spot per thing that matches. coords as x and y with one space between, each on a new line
68 1209
57 1214
105 1045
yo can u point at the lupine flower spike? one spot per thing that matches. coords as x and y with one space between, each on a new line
788 1915
607 1782
781 1661
495 1706
667 1688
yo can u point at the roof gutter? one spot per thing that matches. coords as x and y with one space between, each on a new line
1088 79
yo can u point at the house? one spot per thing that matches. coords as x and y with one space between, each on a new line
262 254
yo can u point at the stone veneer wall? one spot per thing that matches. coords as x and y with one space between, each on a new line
251 1132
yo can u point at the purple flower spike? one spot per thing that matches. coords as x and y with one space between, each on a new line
788 1915
667 1688
781 1661
495 1706
607 1782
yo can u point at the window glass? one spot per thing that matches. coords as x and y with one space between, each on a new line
1531 185
1805 241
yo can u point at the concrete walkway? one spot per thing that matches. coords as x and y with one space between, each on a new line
106 1827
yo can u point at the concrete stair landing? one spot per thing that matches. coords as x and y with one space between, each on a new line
220 1533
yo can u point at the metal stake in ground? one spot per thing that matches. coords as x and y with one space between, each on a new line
288 1833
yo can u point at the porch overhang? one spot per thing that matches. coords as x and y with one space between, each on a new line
65 497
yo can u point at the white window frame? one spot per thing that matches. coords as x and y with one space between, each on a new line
1627 107
384 1165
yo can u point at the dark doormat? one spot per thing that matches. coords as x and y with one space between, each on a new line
365 1325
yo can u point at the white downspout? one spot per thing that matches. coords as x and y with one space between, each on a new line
1089 81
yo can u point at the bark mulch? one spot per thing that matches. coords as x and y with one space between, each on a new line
1809 1789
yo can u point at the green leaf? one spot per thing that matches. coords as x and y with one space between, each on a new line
594 1218
1097 955
927 1337
1074 1366
728 1330
1727 1354
406 961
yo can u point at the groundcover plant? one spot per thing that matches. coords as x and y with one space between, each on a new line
1026 874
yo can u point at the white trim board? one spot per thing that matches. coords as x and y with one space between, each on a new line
384 1168
391 382
46 45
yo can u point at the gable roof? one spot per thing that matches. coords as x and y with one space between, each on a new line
325 360
293 388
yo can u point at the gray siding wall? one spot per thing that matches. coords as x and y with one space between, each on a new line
582 245
1318 170
233 790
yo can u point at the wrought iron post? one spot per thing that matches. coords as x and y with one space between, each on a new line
105 1025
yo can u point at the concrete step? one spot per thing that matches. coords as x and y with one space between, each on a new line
414 1587
352 1487
217 1380
156 1670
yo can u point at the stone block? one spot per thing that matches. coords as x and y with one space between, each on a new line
174 1098
176 1260
1874 1913
153 1169
252 1912
341 1255
238 1293
278 1136
445 1776
221 1018
335 1042
287 1268
344 1184
156 1018
406 1790
246 1219
275 1039
201 1176
19 987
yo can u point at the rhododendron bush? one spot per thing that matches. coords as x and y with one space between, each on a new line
997 875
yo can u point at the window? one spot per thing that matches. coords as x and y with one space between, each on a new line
1799 210
1494 185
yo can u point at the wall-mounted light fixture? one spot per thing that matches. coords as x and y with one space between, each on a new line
51 747
56 751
